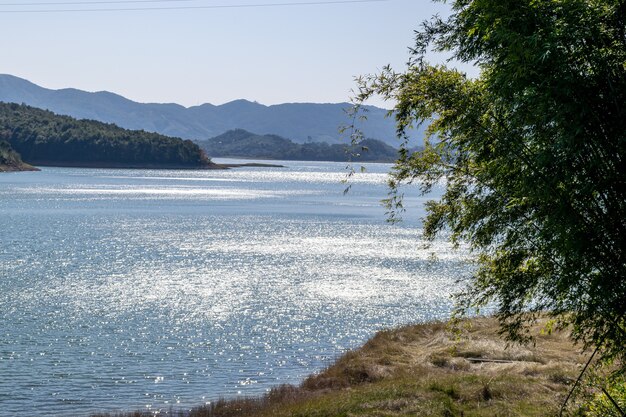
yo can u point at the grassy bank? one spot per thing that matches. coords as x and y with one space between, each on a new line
426 370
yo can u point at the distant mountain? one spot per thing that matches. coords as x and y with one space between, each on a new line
240 143
302 122
44 138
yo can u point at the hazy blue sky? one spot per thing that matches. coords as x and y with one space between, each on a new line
303 53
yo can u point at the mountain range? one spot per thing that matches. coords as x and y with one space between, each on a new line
301 122
240 143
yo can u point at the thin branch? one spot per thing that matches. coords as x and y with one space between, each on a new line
615 404
571 391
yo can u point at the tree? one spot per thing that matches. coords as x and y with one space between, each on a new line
532 154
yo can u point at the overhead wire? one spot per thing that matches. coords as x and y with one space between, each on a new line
87 3
220 6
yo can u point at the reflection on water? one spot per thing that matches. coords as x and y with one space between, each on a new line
126 289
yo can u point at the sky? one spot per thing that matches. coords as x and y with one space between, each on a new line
270 51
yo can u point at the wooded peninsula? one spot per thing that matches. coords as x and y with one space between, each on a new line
46 139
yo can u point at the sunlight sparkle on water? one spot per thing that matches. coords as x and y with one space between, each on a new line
131 289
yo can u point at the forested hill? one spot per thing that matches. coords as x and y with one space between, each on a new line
243 144
44 138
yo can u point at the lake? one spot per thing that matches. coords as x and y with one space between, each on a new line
151 290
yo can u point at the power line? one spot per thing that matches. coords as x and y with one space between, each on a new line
87 3
224 6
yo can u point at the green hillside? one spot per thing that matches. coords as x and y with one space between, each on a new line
240 143
44 138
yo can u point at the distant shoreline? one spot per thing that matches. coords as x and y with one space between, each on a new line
122 165
18 168
355 160
253 165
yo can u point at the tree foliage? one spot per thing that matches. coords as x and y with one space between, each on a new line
8 155
42 137
531 154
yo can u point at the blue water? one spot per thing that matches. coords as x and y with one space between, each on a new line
151 290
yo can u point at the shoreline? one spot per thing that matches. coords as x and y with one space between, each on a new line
252 165
18 168
342 161
115 165
423 369
122 165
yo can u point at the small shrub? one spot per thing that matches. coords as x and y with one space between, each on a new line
601 405
450 391
559 377
485 393
440 361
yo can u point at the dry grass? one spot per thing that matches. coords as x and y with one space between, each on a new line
427 370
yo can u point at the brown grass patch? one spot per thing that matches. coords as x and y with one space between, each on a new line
425 370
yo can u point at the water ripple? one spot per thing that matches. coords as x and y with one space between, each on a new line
138 289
